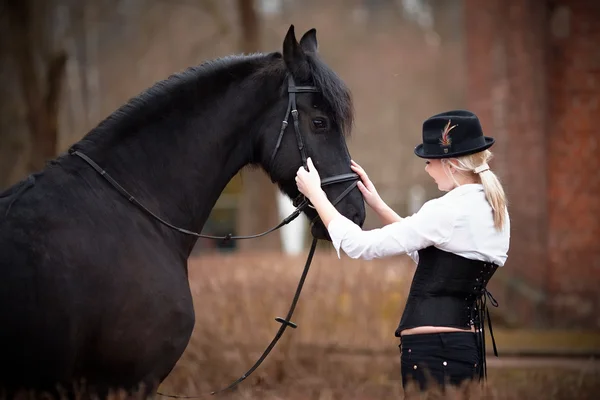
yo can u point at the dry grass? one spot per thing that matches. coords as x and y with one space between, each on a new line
344 346
347 303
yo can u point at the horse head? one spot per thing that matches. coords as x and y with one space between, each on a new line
318 129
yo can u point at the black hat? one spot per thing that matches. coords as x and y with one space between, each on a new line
452 134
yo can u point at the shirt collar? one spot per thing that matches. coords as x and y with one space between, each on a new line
466 188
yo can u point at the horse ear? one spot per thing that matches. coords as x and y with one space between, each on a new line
309 41
292 52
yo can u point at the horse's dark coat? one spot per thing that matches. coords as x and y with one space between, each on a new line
90 286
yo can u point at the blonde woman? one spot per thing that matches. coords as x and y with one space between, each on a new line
457 240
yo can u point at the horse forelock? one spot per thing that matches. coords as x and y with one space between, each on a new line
315 72
334 91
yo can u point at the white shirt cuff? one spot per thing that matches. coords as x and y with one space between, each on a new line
338 227
415 256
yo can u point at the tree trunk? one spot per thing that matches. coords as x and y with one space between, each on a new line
12 131
40 94
257 209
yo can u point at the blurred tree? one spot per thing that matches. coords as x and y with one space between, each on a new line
41 71
257 207
11 143
35 38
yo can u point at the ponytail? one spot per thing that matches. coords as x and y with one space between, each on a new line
494 193
476 164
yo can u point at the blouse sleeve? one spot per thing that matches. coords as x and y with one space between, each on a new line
433 224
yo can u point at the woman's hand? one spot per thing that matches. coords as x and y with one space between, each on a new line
309 182
367 188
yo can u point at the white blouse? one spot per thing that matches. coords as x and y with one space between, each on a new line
460 222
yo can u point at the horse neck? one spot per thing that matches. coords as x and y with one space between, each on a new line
178 162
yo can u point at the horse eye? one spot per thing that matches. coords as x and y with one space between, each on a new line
319 123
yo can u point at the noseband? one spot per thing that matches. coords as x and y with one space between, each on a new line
300 203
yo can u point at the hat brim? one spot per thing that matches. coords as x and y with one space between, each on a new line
488 143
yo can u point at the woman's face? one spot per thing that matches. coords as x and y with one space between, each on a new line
440 174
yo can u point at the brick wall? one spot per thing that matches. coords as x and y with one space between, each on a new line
574 178
533 75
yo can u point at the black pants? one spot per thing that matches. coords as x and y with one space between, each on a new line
439 358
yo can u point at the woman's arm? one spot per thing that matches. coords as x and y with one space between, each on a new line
309 184
433 224
387 215
324 208
371 196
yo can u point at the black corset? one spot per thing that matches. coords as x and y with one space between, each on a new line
450 290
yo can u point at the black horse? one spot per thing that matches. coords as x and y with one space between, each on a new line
91 286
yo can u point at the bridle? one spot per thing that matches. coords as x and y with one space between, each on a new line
293 110
300 202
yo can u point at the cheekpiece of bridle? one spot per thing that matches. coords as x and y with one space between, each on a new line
300 203
292 110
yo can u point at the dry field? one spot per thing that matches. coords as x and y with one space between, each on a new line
344 346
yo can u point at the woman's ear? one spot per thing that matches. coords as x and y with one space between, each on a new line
450 164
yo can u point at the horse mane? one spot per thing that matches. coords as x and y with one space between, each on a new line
176 92
172 93
334 91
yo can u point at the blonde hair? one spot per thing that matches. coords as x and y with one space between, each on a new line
476 166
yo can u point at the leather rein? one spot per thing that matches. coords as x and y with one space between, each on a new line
301 203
